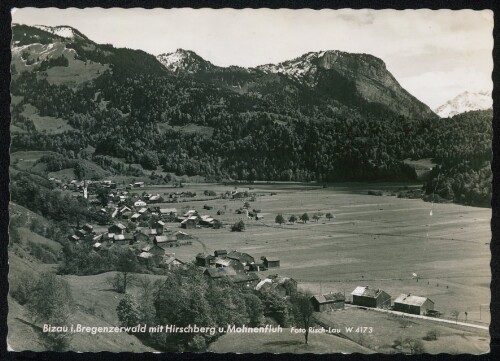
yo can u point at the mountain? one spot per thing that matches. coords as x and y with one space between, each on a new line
465 102
184 61
354 80
63 31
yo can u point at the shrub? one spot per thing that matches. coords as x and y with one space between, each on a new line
22 287
431 335
238 227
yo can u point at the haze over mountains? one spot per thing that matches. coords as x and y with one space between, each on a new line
324 116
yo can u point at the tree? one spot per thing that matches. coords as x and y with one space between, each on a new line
51 302
303 311
416 346
126 263
304 218
455 314
238 227
292 219
279 219
102 195
315 218
127 311
329 216
246 205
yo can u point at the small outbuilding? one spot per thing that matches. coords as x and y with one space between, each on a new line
271 262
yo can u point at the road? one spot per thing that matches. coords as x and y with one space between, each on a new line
443 320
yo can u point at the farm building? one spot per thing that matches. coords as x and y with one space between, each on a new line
331 301
238 277
166 240
244 258
416 305
207 221
189 223
284 286
220 253
88 228
368 297
154 249
259 217
139 184
117 228
170 261
80 233
135 217
74 238
183 235
155 199
205 260
123 239
141 237
226 262
168 212
271 262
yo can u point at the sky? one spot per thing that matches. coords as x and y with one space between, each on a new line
434 54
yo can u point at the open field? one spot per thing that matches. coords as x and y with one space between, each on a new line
374 241
46 124
285 342
387 328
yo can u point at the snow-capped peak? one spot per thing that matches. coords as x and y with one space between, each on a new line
466 102
62 31
184 60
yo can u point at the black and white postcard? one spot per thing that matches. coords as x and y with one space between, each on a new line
250 180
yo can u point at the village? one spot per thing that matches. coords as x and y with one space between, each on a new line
137 222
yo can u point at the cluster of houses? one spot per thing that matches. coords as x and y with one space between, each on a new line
239 267
365 296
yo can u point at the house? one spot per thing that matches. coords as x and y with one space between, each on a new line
284 286
330 301
154 249
190 222
143 211
135 217
183 235
80 233
259 217
124 209
123 239
368 297
138 184
117 228
166 240
205 260
207 221
170 261
220 253
190 213
74 238
147 259
159 226
139 203
238 277
88 228
155 199
141 237
416 305
271 262
244 258
225 262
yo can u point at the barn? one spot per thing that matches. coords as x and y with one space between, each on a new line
205 260
271 262
220 253
416 305
117 228
370 297
189 223
331 301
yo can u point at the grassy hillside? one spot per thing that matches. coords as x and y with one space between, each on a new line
285 342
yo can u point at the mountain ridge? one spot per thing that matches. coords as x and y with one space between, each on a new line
466 102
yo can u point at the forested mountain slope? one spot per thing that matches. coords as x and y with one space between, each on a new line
326 116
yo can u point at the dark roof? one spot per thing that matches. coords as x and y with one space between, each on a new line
204 256
240 256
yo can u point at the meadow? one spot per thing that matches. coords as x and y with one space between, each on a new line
378 241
